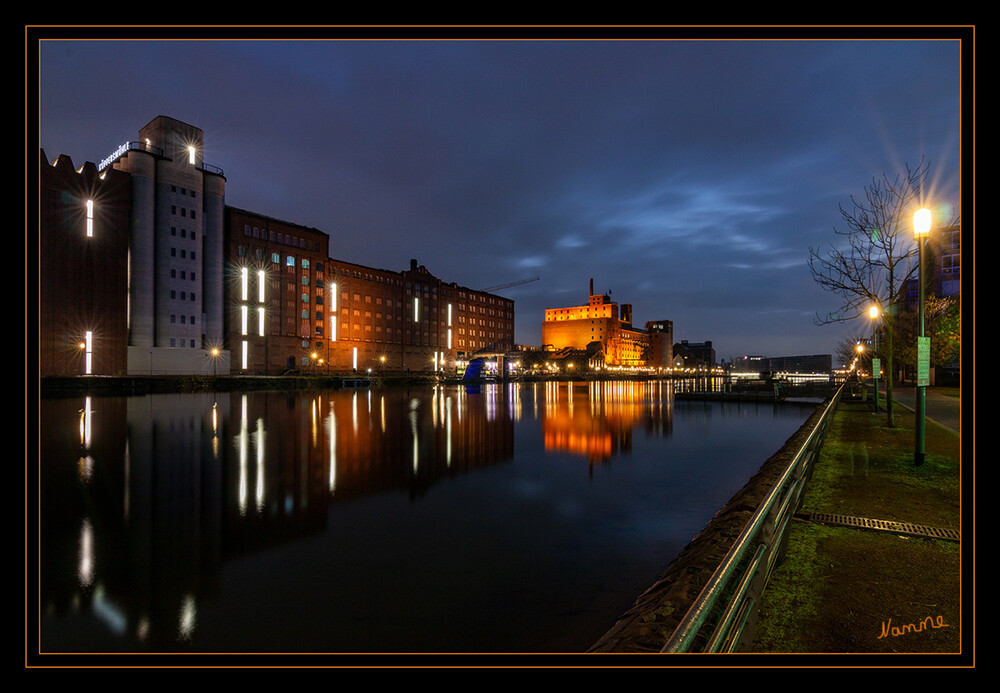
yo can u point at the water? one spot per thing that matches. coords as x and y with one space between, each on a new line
513 518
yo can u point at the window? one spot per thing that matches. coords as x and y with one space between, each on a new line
90 218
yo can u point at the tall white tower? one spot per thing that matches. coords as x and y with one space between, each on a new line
176 249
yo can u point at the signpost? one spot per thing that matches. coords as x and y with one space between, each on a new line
923 361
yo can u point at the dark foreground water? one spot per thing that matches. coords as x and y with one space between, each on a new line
513 518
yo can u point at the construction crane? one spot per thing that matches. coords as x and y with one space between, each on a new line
507 286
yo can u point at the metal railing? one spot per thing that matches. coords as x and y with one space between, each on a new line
150 149
723 616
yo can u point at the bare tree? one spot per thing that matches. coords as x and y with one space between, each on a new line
875 257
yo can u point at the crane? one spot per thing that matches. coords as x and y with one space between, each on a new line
507 286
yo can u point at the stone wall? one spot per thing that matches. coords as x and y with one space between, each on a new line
651 621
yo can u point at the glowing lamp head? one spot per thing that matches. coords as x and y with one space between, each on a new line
873 312
922 223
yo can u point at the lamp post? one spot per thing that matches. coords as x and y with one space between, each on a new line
215 361
876 365
921 230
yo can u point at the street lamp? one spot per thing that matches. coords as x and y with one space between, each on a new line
921 230
215 361
876 364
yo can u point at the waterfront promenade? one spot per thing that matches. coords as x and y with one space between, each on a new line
846 588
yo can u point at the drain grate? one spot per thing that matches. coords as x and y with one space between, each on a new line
887 526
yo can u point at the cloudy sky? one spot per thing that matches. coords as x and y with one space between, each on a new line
688 177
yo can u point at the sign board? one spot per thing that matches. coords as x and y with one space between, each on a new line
923 361
876 367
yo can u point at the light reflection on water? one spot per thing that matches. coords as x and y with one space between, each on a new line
508 518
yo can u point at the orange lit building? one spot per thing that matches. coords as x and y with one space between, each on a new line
604 321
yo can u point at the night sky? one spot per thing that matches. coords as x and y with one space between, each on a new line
687 177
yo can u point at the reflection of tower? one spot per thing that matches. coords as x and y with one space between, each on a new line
597 419
131 536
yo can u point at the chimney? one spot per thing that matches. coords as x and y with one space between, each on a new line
413 264
591 286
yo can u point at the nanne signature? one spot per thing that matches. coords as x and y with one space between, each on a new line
895 631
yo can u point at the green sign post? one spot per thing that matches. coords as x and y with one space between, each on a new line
923 361
876 367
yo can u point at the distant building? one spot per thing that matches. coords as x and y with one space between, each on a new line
703 352
609 324
816 363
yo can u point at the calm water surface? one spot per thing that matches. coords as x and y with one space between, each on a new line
509 518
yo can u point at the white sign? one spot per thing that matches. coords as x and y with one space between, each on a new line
107 161
923 361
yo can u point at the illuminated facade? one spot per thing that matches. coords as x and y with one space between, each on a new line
175 288
183 284
292 308
604 321
277 295
82 269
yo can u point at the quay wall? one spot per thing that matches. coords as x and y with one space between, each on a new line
656 613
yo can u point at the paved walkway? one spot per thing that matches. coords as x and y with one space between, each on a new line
939 407
843 589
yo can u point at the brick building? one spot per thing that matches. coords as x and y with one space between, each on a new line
177 282
83 243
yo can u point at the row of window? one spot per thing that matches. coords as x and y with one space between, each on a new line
183 233
280 238
184 211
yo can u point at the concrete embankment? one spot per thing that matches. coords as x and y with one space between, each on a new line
148 385
656 613
885 576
